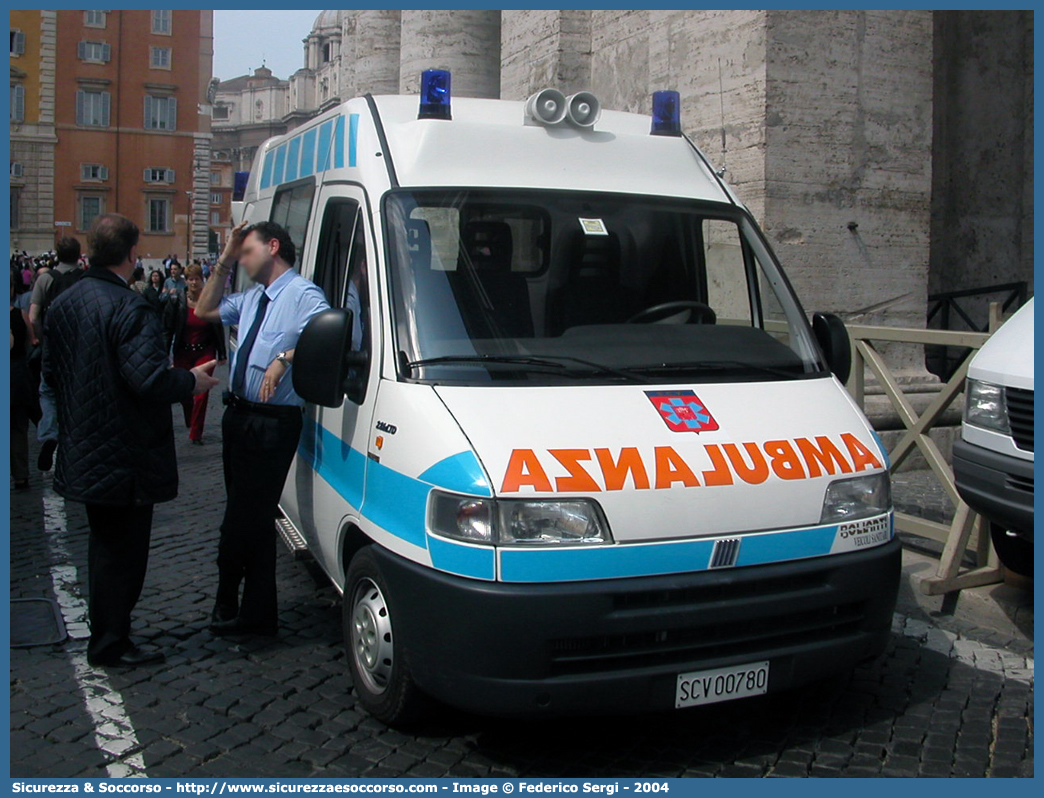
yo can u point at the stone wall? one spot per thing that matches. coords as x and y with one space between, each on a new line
982 201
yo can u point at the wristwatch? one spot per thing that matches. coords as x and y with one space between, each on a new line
281 357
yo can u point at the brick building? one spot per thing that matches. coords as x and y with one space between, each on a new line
131 123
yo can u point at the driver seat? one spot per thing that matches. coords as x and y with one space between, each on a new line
593 293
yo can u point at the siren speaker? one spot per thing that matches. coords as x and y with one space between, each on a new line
548 107
583 109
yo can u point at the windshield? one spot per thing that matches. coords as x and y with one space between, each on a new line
549 287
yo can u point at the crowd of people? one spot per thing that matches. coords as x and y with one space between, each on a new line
98 357
171 289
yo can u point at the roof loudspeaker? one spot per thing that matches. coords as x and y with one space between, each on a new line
548 107
583 109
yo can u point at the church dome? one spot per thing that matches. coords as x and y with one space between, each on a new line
327 21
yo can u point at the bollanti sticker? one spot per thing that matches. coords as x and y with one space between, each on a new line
593 227
862 534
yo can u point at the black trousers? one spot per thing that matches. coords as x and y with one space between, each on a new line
117 557
257 453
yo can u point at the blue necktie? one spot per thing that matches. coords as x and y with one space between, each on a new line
243 354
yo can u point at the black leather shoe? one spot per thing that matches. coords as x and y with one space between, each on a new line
237 626
46 458
221 614
132 658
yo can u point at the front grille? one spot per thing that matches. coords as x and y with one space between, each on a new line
663 646
733 590
1020 416
1020 483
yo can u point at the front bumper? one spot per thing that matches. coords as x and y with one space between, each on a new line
998 486
617 645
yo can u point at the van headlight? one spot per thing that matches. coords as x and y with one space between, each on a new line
985 406
857 497
514 522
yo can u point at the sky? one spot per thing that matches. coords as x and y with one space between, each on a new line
242 39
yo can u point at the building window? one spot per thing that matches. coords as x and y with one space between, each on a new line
92 108
15 195
94 19
215 218
215 199
90 209
17 42
220 112
159 57
93 171
161 113
17 103
159 215
96 52
215 178
16 169
155 174
161 22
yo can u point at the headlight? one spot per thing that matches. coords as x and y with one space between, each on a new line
858 497
517 522
985 406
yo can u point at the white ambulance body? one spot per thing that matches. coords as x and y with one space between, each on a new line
586 453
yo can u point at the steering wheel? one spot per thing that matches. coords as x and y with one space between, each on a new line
703 314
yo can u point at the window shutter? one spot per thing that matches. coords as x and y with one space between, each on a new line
105 108
172 113
81 50
79 107
148 111
106 52
19 43
170 175
103 172
84 171
146 175
19 103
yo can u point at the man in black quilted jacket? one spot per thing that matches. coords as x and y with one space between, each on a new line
104 356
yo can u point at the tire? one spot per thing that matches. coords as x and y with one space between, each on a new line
377 655
1015 552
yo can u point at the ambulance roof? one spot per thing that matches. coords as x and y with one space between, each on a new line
488 143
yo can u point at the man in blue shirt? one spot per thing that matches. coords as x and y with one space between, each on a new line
174 285
262 423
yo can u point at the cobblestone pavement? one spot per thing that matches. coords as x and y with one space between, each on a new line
949 697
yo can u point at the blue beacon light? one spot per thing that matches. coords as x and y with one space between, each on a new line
435 94
666 113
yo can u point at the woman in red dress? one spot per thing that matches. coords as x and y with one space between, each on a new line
195 342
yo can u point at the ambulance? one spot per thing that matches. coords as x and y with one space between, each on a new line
571 443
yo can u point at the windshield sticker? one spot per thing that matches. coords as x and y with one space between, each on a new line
595 470
682 411
593 227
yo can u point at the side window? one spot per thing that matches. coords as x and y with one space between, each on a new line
727 288
291 208
335 241
357 300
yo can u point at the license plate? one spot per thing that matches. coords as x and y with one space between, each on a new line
721 684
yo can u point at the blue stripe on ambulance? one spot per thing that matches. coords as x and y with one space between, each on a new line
302 155
652 559
398 503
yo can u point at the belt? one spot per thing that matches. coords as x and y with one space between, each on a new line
196 347
237 402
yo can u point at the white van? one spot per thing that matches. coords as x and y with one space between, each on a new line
571 443
993 460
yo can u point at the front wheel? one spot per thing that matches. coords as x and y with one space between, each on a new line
377 656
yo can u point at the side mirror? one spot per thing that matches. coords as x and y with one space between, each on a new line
833 340
322 358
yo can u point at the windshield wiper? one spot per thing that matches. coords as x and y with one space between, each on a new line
543 361
711 365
